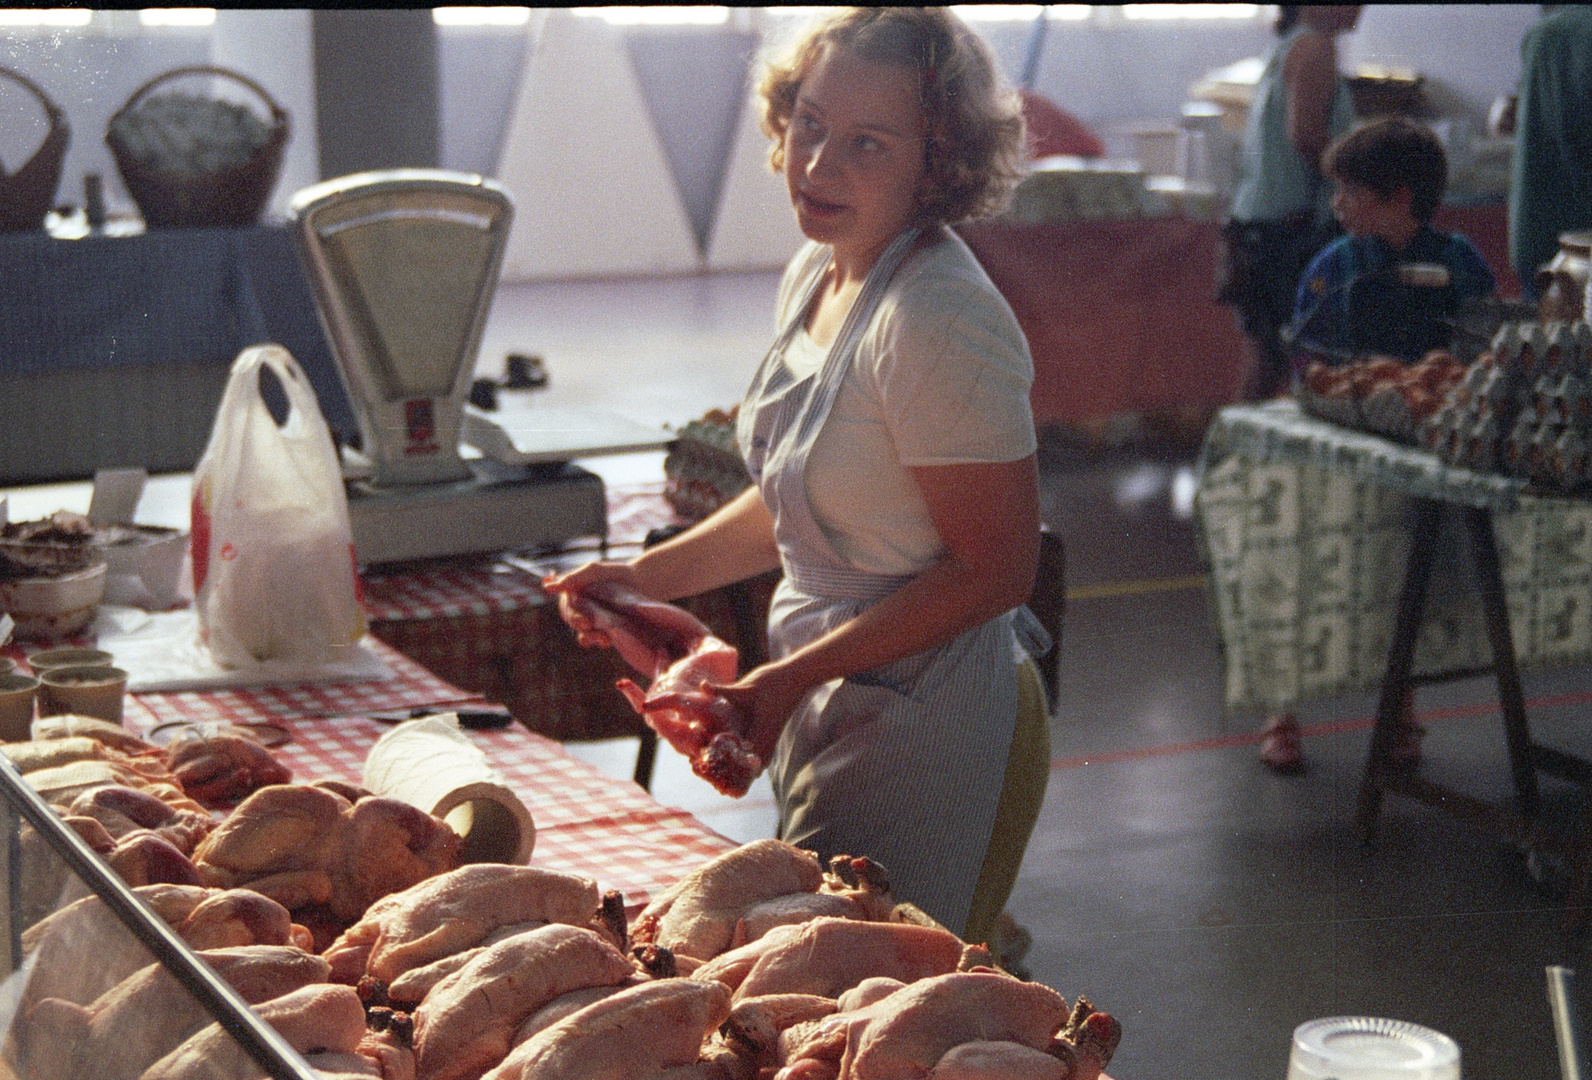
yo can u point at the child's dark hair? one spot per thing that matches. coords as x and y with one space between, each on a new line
1385 155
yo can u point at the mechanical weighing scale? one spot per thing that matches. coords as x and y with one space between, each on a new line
403 264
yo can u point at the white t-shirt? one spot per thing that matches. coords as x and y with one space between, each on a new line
940 377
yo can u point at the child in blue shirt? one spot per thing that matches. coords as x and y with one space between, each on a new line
1391 287
1354 299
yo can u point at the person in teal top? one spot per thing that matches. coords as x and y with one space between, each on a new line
1280 215
1352 300
1550 188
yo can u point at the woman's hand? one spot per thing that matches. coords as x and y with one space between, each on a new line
767 696
564 586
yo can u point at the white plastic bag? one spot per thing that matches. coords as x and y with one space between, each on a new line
273 559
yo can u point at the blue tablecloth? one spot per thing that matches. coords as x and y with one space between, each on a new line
162 300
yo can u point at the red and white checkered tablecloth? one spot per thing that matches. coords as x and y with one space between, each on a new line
412 687
586 822
478 588
485 585
636 509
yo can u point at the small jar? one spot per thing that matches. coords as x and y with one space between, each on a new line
1562 283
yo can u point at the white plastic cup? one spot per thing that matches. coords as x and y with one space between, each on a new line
1371 1048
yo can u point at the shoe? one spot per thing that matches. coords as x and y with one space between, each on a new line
1279 745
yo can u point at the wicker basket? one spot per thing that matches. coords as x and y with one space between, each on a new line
227 198
703 468
27 194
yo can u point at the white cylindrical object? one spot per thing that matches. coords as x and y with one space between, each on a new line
431 764
1371 1048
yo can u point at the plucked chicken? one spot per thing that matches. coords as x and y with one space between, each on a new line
123 810
906 1034
466 1023
829 956
680 656
323 858
148 1014
84 950
219 770
314 1019
454 911
698 916
635 1034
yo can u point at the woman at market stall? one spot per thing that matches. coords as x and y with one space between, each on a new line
889 434
1281 213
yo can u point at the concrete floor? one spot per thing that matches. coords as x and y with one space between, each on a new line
1209 904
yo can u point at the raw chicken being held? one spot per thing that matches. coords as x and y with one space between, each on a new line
682 658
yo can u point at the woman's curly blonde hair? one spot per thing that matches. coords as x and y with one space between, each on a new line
974 155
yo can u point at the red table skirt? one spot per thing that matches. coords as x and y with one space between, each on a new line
1120 316
1486 226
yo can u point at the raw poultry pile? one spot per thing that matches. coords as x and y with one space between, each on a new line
759 965
326 851
347 923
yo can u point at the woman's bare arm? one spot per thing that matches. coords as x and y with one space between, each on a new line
987 516
735 542
1311 75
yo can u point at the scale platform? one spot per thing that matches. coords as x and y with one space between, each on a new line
522 493
498 508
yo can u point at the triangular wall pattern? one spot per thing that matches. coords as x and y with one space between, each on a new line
755 228
593 194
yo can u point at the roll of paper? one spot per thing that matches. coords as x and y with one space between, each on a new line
431 764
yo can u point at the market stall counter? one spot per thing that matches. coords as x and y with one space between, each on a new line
1338 563
586 822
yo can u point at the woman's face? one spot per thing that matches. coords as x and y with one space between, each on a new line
854 153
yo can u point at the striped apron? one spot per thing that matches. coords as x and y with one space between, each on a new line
902 763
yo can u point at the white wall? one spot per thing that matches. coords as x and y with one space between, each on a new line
1111 72
274 48
90 75
1469 53
1118 74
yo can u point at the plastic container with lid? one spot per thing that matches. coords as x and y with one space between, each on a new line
1371 1048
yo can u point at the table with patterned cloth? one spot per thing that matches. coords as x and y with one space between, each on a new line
1335 566
586 822
117 348
1306 530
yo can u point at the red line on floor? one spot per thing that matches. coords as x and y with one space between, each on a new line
1335 727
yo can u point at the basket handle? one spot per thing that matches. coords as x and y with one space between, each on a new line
51 109
278 114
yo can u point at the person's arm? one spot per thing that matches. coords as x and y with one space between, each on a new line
1473 278
1311 75
735 542
1318 303
987 516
